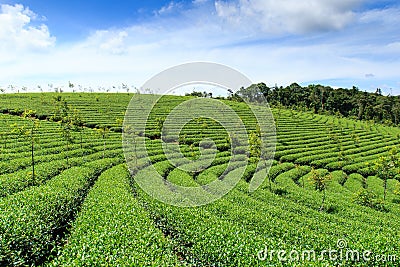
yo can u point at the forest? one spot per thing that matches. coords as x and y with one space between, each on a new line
351 103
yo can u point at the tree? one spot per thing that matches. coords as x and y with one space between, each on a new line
125 87
78 124
387 167
199 94
368 198
71 86
67 119
320 183
322 97
132 135
396 112
264 89
30 114
362 102
251 94
29 131
119 123
313 98
255 143
159 125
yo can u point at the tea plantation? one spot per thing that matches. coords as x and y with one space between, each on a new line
333 188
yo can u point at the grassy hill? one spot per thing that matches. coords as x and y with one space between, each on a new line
82 207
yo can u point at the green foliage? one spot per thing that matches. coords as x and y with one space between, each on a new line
61 110
30 219
4 139
28 131
367 198
199 94
320 99
387 167
397 190
255 143
320 181
159 123
120 225
70 120
46 167
113 229
104 133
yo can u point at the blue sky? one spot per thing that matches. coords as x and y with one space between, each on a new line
103 43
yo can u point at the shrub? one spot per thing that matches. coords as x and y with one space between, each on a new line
114 229
367 198
32 220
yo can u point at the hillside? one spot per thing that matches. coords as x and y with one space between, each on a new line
82 207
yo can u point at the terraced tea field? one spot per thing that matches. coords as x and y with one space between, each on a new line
82 206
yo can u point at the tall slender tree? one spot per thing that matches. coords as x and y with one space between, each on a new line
29 131
68 120
387 167
320 183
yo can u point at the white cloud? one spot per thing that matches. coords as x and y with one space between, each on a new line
199 2
169 8
382 16
394 47
17 32
219 33
288 16
108 41
146 50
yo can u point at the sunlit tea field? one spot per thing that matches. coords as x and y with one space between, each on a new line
67 197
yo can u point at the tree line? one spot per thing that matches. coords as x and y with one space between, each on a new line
351 103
